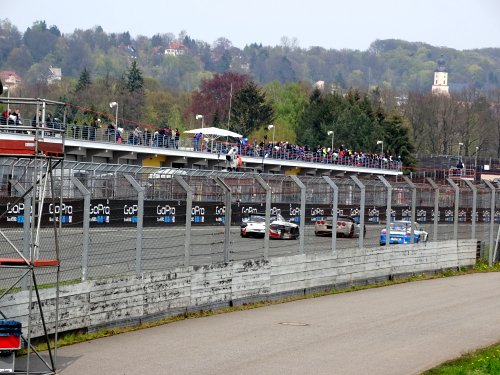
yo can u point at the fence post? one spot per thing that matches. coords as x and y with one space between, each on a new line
335 208
413 205
492 221
140 222
189 211
361 210
474 206
26 225
86 225
456 206
227 216
436 207
302 223
267 188
388 211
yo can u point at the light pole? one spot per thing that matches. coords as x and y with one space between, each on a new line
269 127
111 105
8 97
381 143
332 133
460 144
475 160
202 120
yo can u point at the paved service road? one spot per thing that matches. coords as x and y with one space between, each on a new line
401 329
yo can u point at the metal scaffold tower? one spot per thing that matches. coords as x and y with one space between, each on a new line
41 143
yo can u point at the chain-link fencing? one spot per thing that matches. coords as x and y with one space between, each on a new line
120 219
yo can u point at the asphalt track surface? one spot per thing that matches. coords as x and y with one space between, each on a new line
113 251
400 329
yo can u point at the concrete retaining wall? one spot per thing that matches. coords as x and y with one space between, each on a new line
130 300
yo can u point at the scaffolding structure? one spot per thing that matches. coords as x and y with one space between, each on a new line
43 144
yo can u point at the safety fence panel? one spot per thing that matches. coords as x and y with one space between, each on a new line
103 220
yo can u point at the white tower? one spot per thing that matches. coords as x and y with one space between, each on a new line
440 85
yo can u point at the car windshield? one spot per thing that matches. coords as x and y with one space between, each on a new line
256 218
398 226
262 218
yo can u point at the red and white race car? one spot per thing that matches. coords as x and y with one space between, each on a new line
254 225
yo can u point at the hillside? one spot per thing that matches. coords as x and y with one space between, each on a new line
180 63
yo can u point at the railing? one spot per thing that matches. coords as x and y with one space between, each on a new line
461 173
213 146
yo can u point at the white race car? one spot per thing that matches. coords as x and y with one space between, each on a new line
254 225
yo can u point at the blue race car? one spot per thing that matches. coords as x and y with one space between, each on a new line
400 233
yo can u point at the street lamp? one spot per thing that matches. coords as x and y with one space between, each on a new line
202 120
111 105
460 144
269 127
381 143
332 133
8 97
475 159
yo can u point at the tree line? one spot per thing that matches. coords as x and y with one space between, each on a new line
248 102
390 64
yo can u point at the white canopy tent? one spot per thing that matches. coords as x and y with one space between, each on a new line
214 133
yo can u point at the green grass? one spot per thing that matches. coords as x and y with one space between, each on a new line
480 362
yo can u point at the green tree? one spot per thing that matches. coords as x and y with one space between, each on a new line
135 81
250 110
10 37
397 138
84 81
39 40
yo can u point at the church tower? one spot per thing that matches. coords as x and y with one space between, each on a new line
440 85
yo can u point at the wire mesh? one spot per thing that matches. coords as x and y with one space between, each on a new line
118 244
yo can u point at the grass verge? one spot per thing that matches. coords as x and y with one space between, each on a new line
480 362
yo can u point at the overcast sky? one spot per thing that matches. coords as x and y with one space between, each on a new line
337 24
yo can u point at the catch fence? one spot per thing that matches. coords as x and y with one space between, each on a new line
120 219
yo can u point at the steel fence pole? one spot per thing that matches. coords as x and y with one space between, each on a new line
335 208
26 225
189 209
492 221
388 210
436 206
140 227
474 206
456 206
361 210
86 225
227 216
267 188
302 223
413 206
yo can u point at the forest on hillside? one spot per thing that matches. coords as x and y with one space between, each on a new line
390 64
382 94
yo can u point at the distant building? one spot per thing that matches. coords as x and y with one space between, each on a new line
55 74
10 78
440 85
320 85
175 49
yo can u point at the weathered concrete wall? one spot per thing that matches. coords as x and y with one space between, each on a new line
130 300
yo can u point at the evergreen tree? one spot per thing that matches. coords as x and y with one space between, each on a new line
250 111
135 81
84 82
